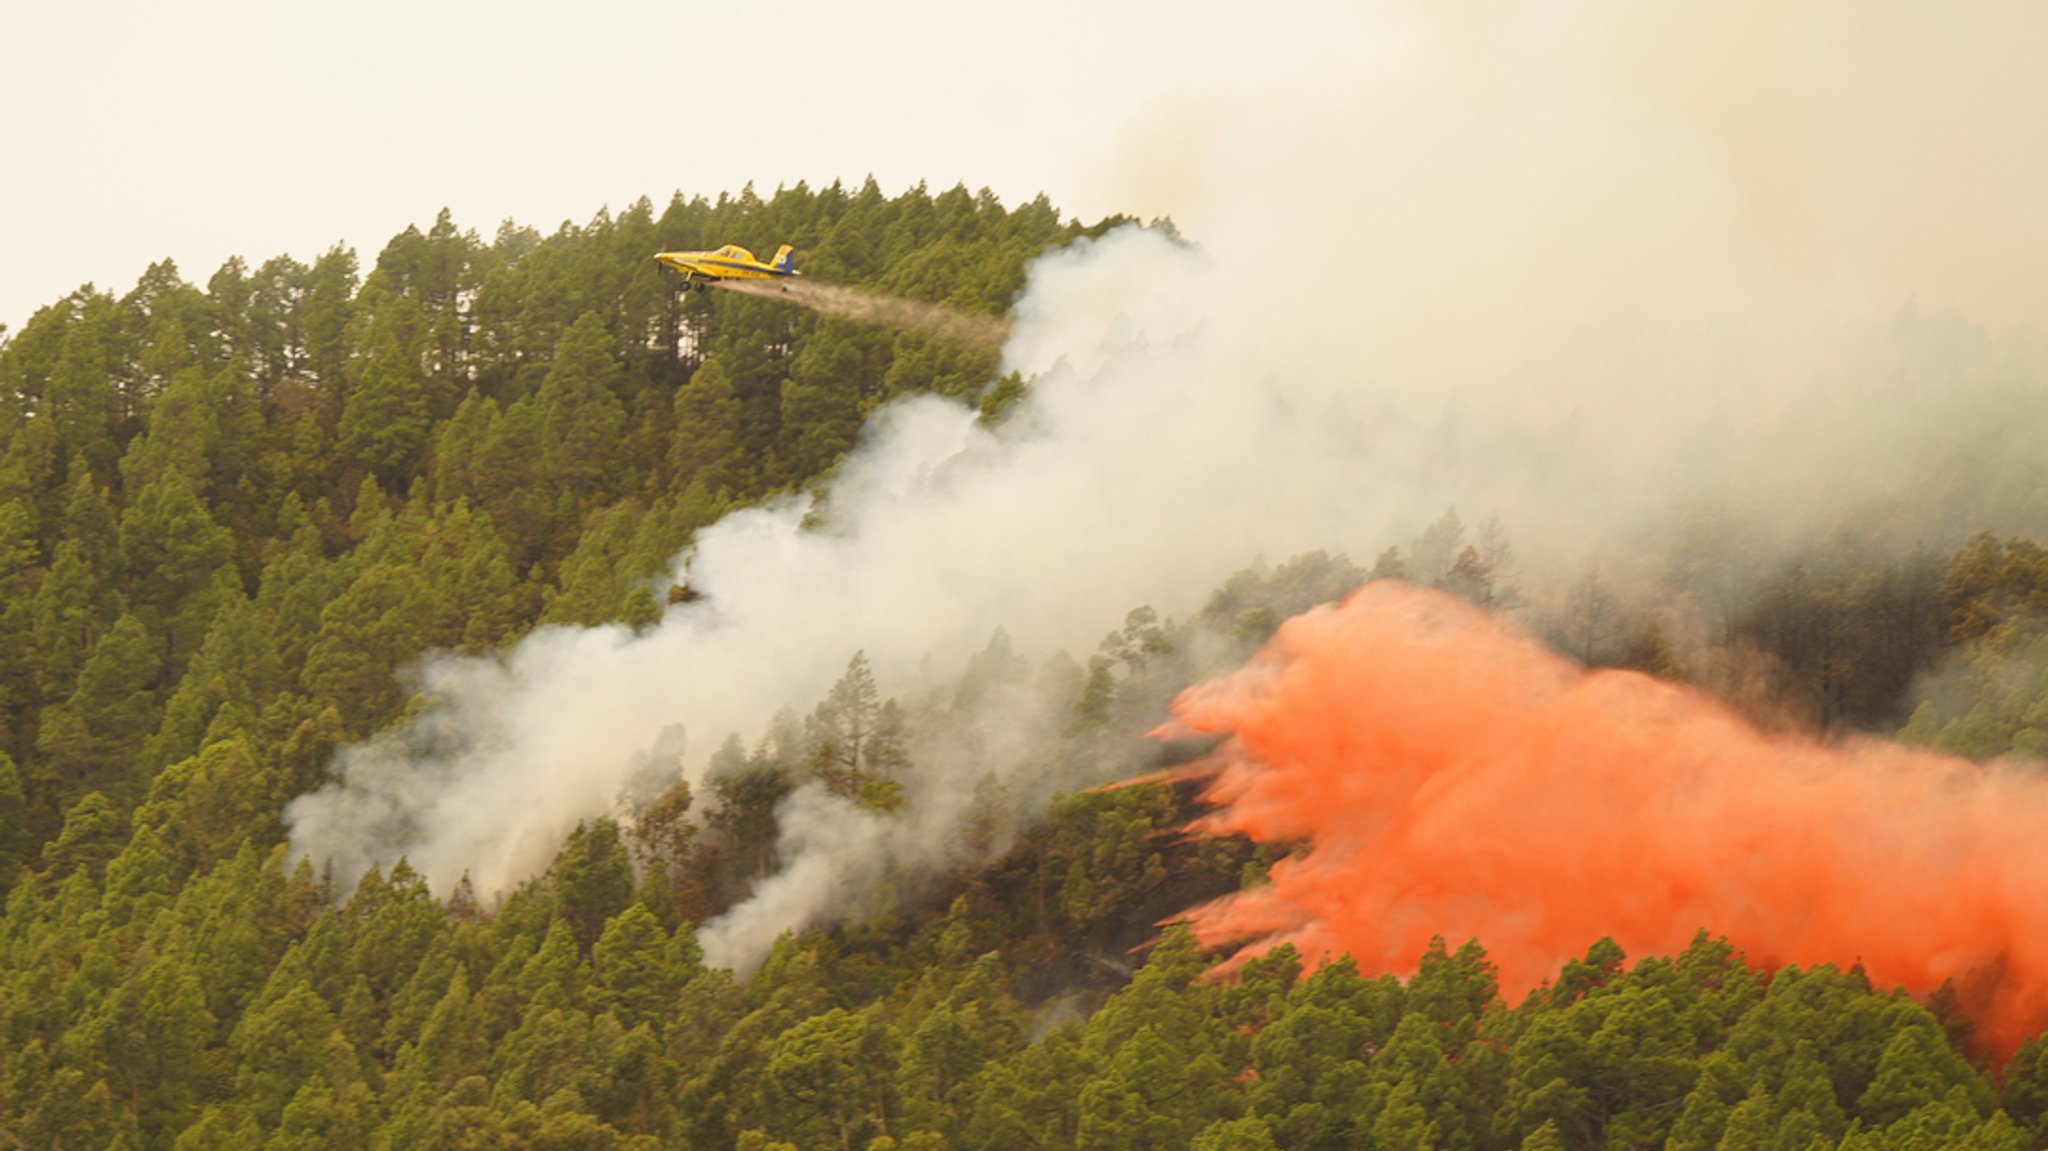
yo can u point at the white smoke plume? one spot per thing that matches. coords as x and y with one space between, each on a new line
834 850
1575 264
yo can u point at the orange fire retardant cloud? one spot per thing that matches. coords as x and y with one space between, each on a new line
1450 776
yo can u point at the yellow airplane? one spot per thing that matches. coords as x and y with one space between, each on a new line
702 269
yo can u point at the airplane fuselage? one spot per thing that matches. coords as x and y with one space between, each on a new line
727 263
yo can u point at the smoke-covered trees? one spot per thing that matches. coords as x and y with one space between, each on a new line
1993 699
857 740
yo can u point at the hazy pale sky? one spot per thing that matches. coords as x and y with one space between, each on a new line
138 131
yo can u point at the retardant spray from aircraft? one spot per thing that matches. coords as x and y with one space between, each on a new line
1447 775
872 308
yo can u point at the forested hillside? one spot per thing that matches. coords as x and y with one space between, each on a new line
231 516
343 467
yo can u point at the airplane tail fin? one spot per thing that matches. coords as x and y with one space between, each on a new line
783 262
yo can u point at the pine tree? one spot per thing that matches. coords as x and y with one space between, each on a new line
19 665
372 630
856 738
15 841
328 310
385 422
172 547
93 834
709 446
581 416
631 976
593 879
93 740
